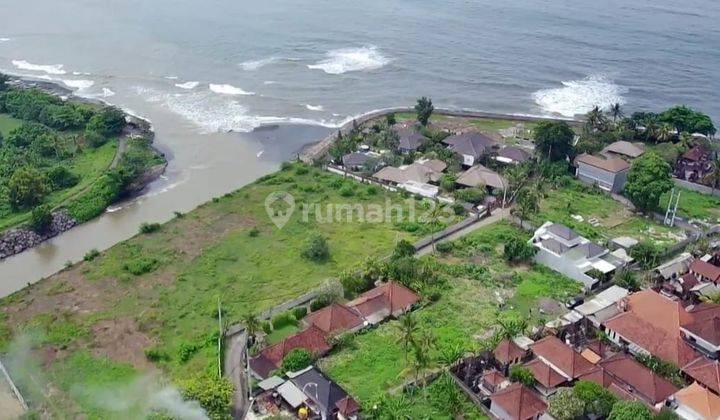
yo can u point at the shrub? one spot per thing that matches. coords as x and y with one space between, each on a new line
41 219
254 232
630 410
403 249
646 253
323 300
458 209
471 195
141 265
296 360
286 166
26 187
522 374
94 138
444 247
316 248
299 312
91 255
371 190
147 228
517 250
214 393
154 354
60 178
302 170
347 191
266 326
283 320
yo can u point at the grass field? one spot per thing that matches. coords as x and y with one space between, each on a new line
491 125
694 205
614 218
8 123
90 165
158 292
464 317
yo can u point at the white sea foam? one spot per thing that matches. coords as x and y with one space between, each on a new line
580 96
171 77
187 85
252 65
4 39
106 93
351 59
314 107
45 68
79 84
228 90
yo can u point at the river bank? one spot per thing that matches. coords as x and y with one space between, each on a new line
20 238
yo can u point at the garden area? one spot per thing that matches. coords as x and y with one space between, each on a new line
151 302
695 205
480 287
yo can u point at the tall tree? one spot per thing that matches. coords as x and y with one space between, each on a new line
564 405
408 329
553 139
664 133
616 111
424 109
630 410
527 203
252 326
649 178
596 119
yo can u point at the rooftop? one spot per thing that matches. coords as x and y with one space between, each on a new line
479 175
506 351
470 143
705 371
706 269
700 400
390 296
562 231
625 148
544 374
519 402
613 165
562 357
334 319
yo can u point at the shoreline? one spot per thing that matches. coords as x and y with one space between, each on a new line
18 239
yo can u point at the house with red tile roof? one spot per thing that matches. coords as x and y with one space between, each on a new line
493 381
507 352
548 379
335 319
706 372
704 333
388 299
562 358
312 339
650 324
695 402
628 379
705 271
517 402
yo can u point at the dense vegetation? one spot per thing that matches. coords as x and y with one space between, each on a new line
59 153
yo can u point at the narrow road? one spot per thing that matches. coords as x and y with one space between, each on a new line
495 216
234 369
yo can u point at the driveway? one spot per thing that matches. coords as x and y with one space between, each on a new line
234 369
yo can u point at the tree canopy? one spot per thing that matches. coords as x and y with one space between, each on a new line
424 109
629 410
649 178
553 139
685 119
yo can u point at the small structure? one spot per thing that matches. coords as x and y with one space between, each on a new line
324 396
470 146
493 381
566 252
696 403
388 299
415 177
480 176
517 402
563 359
355 161
603 306
675 267
513 155
622 149
410 139
548 379
507 353
608 174
270 359
335 319
705 372
705 272
694 165
623 242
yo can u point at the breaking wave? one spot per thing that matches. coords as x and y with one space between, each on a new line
187 85
314 107
228 90
78 84
4 39
580 96
252 65
351 59
45 68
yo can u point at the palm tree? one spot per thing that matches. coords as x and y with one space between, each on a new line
596 119
433 219
651 131
616 111
511 327
408 328
686 140
252 326
393 408
664 133
422 361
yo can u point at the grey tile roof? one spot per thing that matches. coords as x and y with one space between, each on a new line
562 231
470 143
554 246
354 159
317 387
410 139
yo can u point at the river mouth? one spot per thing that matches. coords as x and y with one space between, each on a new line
201 166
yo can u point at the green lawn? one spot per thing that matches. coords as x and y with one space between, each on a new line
8 123
165 286
278 335
90 165
463 317
694 205
614 218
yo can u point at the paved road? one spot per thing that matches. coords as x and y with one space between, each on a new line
234 369
495 216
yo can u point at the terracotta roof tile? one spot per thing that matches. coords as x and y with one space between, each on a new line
627 370
705 269
519 402
334 319
700 400
561 356
544 374
389 296
493 377
312 339
705 371
507 351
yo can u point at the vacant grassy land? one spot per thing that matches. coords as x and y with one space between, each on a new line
8 123
613 218
694 205
157 293
490 125
480 287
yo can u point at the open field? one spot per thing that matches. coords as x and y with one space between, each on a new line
8 123
477 280
694 205
487 125
614 218
157 293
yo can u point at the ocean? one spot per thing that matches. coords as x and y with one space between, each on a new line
209 73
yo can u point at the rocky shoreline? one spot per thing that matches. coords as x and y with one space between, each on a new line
16 240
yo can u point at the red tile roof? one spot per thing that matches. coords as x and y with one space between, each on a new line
705 371
652 321
334 319
705 269
694 154
347 406
544 374
507 351
708 329
493 377
389 296
561 356
519 402
700 400
627 370
312 339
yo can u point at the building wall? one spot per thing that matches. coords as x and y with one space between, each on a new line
699 341
564 266
606 180
498 412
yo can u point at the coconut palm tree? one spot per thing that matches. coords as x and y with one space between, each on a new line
433 219
596 119
252 326
616 111
686 141
651 131
408 329
664 133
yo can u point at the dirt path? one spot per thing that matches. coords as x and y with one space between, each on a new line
235 369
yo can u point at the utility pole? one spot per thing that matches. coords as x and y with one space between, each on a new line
673 203
220 338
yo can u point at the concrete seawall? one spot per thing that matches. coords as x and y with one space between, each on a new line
318 150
